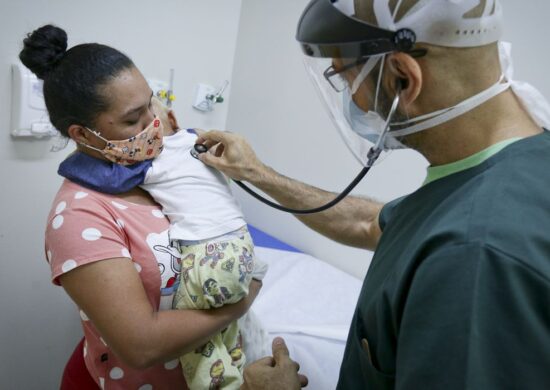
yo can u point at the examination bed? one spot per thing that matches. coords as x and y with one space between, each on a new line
309 303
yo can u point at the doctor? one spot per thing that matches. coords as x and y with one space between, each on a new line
458 291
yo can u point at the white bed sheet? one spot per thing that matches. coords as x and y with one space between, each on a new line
310 304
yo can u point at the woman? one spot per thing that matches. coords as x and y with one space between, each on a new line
111 253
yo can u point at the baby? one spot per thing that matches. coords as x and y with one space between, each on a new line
208 235
217 254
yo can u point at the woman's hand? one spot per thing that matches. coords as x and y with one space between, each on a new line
240 308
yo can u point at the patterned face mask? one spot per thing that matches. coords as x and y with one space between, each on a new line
143 146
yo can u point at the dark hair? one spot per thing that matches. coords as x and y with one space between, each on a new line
73 79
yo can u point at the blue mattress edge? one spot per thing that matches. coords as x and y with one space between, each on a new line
263 239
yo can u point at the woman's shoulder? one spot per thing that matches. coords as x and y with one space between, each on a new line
76 198
80 229
72 191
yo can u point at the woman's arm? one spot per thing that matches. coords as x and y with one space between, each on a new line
111 294
353 221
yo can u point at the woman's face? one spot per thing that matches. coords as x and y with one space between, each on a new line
130 110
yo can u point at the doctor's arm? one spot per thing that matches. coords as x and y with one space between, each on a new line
353 221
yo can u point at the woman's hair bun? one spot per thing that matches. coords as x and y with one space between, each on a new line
43 49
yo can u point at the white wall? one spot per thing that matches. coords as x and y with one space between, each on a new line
275 106
39 326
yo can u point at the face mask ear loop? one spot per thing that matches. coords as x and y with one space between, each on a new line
378 83
367 68
91 147
96 133
445 110
453 112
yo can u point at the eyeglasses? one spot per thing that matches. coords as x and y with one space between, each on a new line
339 83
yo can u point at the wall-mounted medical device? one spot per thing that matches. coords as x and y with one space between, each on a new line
164 91
207 96
29 117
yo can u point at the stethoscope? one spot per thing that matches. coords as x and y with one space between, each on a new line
372 156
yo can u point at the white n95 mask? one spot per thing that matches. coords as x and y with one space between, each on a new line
368 125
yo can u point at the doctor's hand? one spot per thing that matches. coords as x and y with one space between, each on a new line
229 153
274 373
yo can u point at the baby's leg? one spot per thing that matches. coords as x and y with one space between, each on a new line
215 273
211 367
233 342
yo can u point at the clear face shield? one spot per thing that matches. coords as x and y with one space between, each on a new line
358 105
345 59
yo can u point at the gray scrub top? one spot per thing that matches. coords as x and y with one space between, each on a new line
458 293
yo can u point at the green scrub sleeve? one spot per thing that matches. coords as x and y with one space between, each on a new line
387 212
474 318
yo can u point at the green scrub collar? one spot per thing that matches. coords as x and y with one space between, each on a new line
440 171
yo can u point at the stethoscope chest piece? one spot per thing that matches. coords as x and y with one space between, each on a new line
197 149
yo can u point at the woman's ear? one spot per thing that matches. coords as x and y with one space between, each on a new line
78 134
403 76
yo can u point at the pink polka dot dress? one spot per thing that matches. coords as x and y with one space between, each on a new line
85 226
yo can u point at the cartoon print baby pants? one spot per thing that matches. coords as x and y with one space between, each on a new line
215 273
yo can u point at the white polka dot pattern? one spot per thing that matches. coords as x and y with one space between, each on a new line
146 387
116 373
119 206
68 265
138 267
126 253
157 213
49 255
57 221
91 234
171 364
60 207
102 383
80 195
120 223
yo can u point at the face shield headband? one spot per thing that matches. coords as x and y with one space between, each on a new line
344 36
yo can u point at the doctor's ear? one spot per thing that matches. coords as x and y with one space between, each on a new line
404 76
402 84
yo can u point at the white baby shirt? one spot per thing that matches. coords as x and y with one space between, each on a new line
196 199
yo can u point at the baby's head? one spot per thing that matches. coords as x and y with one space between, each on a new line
166 116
